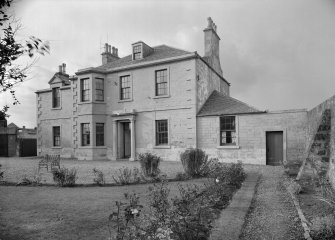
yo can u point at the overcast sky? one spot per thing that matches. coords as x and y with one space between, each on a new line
276 54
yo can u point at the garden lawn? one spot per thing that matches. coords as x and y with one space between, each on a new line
16 168
64 213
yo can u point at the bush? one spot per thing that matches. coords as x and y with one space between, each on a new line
195 162
64 177
230 174
323 228
149 164
99 177
124 176
35 179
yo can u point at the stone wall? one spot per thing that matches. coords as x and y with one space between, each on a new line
314 116
251 136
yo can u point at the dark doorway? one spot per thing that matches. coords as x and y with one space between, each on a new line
274 148
28 147
3 145
126 140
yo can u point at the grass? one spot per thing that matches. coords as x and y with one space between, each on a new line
63 213
50 212
16 168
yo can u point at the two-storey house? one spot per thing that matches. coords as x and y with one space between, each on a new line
159 99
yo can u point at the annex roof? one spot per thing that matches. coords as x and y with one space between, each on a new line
220 104
159 52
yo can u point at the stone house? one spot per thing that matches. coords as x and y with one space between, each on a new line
163 100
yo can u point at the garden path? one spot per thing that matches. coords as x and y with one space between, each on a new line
272 215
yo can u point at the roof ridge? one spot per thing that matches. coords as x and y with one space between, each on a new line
172 47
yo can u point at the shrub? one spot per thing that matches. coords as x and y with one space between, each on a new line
64 177
195 162
99 177
323 228
35 179
124 176
230 174
149 164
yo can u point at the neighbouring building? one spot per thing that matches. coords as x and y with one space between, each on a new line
163 100
15 141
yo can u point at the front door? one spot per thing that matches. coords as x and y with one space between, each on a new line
274 148
126 140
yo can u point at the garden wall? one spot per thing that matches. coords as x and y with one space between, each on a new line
313 118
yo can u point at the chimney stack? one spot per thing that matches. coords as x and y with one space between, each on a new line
212 46
60 68
110 54
64 68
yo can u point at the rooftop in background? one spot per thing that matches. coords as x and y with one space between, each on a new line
220 104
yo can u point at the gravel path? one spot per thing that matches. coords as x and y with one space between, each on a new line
272 214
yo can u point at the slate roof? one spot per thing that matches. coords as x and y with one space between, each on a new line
160 52
220 104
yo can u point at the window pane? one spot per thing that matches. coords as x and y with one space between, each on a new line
125 87
227 130
85 91
99 89
162 132
56 136
161 82
85 133
100 134
55 97
137 52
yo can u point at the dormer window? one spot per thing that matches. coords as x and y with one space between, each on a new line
137 52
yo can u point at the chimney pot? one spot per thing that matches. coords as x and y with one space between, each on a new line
113 52
106 47
60 68
64 68
116 52
109 48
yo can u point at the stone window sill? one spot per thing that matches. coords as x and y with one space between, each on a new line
56 108
228 147
163 96
92 147
100 102
56 147
162 147
88 102
125 100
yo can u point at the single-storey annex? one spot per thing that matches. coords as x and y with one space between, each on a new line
163 100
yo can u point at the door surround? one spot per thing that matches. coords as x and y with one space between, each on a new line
117 120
